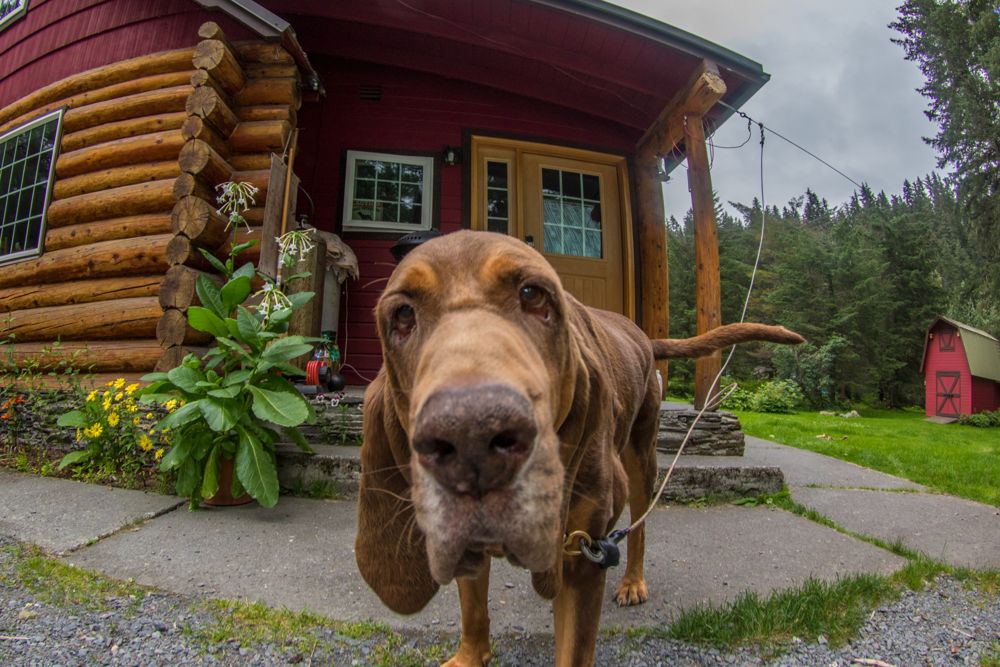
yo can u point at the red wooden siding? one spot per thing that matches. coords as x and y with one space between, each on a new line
57 38
418 113
946 361
985 395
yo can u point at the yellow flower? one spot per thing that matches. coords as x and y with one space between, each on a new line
106 404
132 407
119 383
109 383
171 405
145 444
78 435
132 388
94 431
119 396
149 415
158 454
135 420
91 396
113 419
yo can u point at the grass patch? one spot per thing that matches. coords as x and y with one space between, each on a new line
951 458
991 658
62 585
834 610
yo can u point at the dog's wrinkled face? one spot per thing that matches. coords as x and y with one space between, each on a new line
475 335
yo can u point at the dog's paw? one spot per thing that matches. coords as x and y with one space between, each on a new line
470 656
631 592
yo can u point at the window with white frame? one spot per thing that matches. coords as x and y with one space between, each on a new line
386 192
27 162
11 10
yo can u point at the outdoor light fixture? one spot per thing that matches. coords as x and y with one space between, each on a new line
452 156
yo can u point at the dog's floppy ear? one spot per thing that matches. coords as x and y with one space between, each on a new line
390 546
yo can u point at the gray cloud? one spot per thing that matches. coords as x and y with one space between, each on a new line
838 87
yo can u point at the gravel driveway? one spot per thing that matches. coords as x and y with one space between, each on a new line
943 625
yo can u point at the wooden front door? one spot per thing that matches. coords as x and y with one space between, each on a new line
949 394
571 205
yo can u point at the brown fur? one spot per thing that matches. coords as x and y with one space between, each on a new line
589 377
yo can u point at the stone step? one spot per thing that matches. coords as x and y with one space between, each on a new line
336 469
716 434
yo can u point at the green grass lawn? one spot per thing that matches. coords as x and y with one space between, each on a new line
960 460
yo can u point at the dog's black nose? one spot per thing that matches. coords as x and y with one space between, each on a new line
473 439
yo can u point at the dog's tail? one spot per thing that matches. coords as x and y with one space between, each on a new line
720 337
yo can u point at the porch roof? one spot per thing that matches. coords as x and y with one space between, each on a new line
588 55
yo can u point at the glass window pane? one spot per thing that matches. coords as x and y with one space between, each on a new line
387 212
550 182
388 171
592 216
364 189
496 204
411 173
363 210
387 191
593 248
411 193
409 213
591 187
498 226
364 169
496 174
553 239
570 184
573 242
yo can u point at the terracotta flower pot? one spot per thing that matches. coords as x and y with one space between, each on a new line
224 496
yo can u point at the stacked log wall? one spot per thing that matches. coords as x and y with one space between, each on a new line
242 108
91 299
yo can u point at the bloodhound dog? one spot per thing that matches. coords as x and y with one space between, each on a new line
507 415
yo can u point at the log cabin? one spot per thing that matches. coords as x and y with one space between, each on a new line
552 120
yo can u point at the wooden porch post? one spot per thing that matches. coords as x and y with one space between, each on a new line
654 278
702 91
708 295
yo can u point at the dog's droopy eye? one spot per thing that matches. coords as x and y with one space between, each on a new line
534 300
403 320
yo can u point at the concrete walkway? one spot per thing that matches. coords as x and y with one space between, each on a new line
300 554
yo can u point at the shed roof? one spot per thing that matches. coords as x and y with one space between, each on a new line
981 349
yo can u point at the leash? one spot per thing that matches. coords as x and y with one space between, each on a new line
604 551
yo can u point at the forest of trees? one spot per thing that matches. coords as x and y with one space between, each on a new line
862 282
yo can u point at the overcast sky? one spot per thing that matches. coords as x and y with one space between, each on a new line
838 87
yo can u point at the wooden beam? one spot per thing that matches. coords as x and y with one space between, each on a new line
653 275
708 298
703 90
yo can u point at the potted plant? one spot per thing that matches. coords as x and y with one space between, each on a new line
236 402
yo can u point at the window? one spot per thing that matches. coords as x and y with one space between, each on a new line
27 162
386 192
11 10
571 205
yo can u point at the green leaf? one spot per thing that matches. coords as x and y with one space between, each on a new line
189 478
279 407
153 377
186 379
210 481
293 434
300 299
221 414
237 377
74 457
215 262
240 247
286 348
256 470
247 270
73 418
203 319
210 296
178 454
183 415
235 292
232 391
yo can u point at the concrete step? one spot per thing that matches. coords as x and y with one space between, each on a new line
335 470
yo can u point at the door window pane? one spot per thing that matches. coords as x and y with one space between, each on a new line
571 210
497 198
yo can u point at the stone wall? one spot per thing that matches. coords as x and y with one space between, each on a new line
717 433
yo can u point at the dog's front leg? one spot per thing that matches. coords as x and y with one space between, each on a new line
473 594
577 610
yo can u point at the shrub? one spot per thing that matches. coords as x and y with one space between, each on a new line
780 396
741 399
981 419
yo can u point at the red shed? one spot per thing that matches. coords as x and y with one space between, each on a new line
961 368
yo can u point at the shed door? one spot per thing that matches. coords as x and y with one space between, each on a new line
949 396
